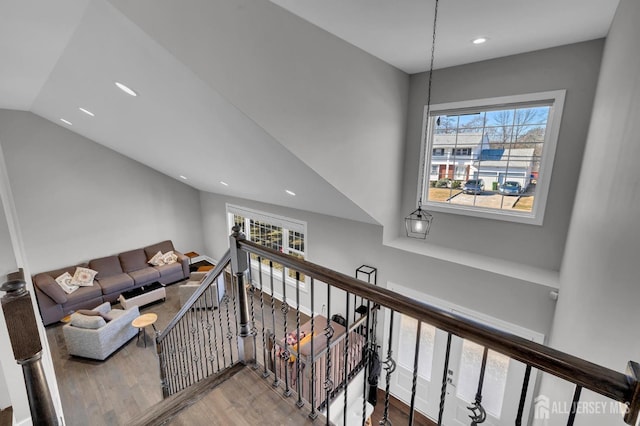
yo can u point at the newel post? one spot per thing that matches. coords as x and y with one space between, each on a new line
27 348
239 265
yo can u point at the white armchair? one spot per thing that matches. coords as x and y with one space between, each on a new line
92 337
212 296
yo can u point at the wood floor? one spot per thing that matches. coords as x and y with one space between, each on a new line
114 391
246 399
6 417
127 385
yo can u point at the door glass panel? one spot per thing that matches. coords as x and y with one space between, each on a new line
407 346
495 377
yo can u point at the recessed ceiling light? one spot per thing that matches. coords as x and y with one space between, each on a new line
183 177
290 192
126 89
224 183
479 40
66 122
86 111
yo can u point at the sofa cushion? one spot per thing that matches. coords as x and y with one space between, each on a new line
116 283
83 294
133 260
106 266
163 246
86 321
169 269
145 276
50 287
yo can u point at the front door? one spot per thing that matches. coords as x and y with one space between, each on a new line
503 376
501 386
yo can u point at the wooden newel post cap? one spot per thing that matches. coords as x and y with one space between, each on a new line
14 288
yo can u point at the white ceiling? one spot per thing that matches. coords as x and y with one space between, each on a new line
58 56
399 31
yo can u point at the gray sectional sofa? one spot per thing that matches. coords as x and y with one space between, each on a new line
116 274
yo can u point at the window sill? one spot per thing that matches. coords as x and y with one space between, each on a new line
546 277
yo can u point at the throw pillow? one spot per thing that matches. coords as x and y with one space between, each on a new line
170 257
85 321
83 277
91 313
64 281
157 259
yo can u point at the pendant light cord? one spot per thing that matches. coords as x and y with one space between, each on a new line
426 127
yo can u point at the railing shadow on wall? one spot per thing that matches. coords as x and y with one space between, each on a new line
315 359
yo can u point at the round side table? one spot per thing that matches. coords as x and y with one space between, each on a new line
142 322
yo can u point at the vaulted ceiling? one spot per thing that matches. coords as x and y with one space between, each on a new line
301 95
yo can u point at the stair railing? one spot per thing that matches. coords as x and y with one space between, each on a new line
200 341
270 296
335 292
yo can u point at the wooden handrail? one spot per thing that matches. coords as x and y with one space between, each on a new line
610 383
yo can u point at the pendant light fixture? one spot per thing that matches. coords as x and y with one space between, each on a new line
419 221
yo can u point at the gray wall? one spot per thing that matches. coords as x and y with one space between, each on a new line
597 313
574 68
344 245
328 102
78 200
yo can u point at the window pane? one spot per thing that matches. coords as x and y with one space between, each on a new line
495 377
274 237
407 343
490 147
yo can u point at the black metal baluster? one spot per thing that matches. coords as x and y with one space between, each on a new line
199 328
299 403
234 298
523 395
478 413
212 354
175 361
229 333
445 379
167 351
346 360
215 333
390 367
276 379
328 383
253 330
189 352
414 381
225 302
286 355
171 350
574 405
367 354
183 350
312 384
265 373
194 348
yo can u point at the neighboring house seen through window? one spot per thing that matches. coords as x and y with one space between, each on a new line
492 157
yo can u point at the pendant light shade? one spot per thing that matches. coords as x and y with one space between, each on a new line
418 223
